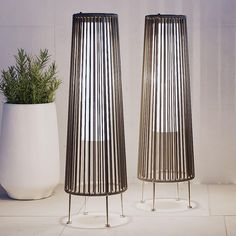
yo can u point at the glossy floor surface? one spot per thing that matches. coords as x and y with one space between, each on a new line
213 213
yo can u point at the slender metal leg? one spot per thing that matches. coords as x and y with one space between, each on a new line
69 215
85 206
142 199
189 196
177 192
122 206
154 196
107 217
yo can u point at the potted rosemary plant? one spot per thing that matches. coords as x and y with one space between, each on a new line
29 149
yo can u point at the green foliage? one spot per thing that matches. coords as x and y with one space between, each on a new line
30 80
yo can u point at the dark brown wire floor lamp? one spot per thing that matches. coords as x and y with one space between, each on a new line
166 139
95 158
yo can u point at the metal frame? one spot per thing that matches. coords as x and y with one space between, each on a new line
69 221
166 139
154 195
95 158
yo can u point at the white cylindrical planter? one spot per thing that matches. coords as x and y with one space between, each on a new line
29 150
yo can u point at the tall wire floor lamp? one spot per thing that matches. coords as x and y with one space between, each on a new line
95 158
166 139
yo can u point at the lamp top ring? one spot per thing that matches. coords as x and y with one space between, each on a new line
165 16
95 15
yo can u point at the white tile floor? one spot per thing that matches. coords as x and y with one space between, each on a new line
214 214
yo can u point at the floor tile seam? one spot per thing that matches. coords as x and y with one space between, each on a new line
31 216
131 216
168 215
226 231
171 216
208 200
62 231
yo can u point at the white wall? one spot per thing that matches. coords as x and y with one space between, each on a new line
32 25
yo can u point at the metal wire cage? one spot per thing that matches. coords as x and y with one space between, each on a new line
166 139
95 158
96 163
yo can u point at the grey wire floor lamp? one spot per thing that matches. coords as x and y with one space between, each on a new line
95 158
166 139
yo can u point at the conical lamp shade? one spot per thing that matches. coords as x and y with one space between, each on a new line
166 139
95 159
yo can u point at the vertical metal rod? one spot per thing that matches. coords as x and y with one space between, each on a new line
142 199
122 205
69 214
154 196
107 216
177 192
85 206
189 195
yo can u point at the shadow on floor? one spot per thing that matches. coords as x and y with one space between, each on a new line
3 193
